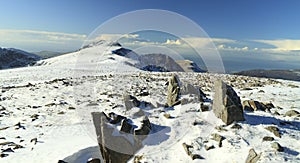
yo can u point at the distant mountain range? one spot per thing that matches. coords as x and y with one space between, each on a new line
12 58
48 54
276 74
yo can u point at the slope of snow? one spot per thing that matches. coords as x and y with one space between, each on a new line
55 109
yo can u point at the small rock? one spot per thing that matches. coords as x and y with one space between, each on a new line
209 147
236 126
168 116
3 155
203 107
218 138
8 150
277 147
71 108
34 140
187 147
253 157
62 161
274 130
292 113
130 101
268 138
61 112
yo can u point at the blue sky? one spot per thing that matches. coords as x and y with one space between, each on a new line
253 27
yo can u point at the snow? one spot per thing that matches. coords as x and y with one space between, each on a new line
90 80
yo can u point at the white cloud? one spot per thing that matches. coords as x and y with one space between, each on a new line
282 45
172 42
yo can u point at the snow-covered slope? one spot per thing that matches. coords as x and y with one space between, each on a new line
45 112
11 58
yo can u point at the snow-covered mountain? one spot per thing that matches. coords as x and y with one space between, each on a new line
11 58
45 112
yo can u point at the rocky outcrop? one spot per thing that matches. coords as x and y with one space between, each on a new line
173 91
292 113
119 146
227 104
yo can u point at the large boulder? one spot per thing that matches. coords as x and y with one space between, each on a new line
227 104
173 91
119 145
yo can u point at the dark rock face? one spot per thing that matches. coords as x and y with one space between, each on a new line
173 91
130 101
159 60
253 157
117 147
11 58
227 104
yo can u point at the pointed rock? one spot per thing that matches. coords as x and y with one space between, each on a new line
173 91
227 104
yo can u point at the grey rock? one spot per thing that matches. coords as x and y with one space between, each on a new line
227 104
187 148
274 130
188 88
292 113
251 105
277 147
268 138
218 138
130 101
253 157
204 107
173 91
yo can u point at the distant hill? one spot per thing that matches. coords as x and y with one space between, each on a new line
48 54
276 74
12 58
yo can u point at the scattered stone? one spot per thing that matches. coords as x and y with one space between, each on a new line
220 128
276 113
277 147
292 113
62 161
8 150
168 116
188 88
251 105
2 155
6 143
268 138
138 158
218 138
227 104
253 157
293 86
130 101
236 126
247 89
71 108
61 112
34 117
4 128
173 91
188 152
274 130
34 140
203 107
115 118
209 147
261 91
